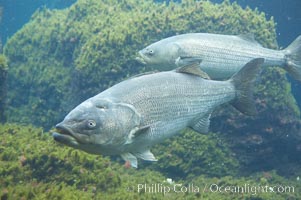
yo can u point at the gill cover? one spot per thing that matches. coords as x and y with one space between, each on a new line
124 124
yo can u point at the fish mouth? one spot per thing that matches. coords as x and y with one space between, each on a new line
141 58
65 135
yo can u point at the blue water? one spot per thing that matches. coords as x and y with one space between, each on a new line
18 12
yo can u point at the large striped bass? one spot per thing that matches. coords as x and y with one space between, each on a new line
221 55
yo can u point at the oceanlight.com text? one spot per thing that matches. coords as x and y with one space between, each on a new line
210 188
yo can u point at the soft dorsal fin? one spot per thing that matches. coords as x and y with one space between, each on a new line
193 69
249 37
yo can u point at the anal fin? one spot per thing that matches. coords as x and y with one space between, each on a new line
202 124
145 155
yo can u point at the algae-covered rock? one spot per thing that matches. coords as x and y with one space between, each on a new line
191 154
270 140
33 166
62 57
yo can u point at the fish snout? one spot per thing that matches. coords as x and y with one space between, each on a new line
60 126
63 129
141 58
65 135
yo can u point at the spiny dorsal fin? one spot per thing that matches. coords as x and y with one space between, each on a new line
193 69
249 37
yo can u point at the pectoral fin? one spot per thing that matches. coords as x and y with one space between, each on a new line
137 131
141 130
145 155
183 60
131 158
193 69
202 125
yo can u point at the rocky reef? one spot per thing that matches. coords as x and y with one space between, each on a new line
62 57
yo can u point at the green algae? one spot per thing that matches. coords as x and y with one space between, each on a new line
192 154
3 63
33 166
275 95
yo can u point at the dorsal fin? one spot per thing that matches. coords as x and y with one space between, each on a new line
193 69
249 37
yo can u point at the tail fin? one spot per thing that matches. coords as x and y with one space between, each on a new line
243 83
293 58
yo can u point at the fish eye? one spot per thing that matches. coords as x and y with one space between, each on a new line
101 107
150 52
91 123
